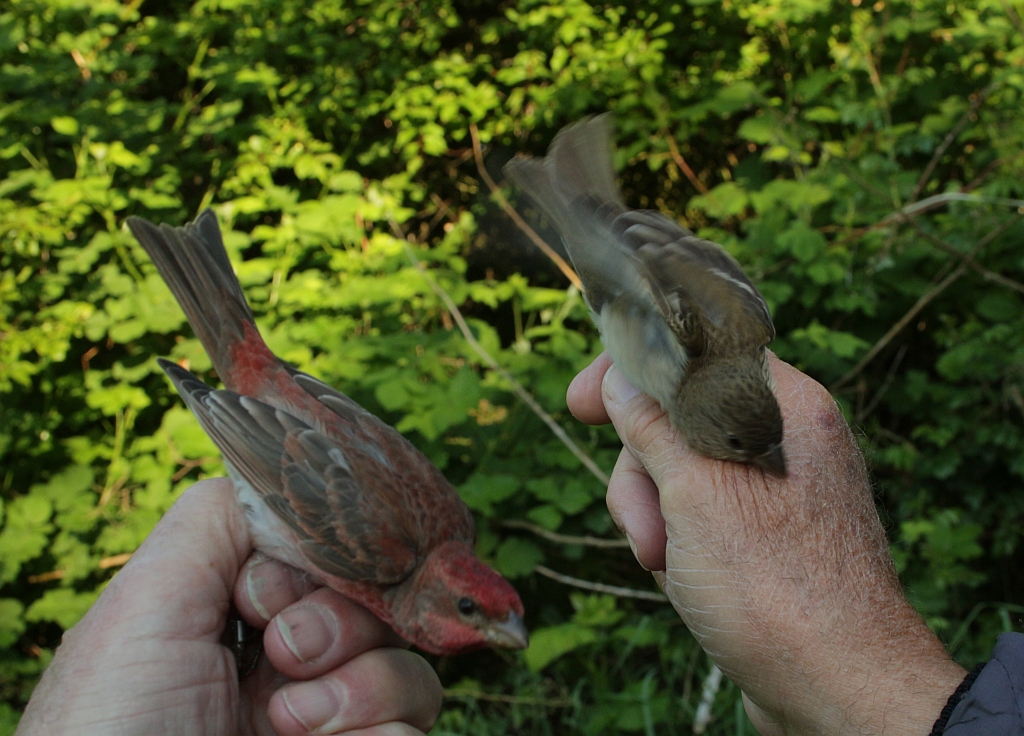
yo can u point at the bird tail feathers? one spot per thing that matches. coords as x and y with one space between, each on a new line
194 264
575 187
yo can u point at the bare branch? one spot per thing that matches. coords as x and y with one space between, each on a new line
615 590
511 699
886 384
564 267
1013 15
712 683
104 564
900 324
976 101
673 147
931 203
565 538
1016 397
922 303
985 273
517 387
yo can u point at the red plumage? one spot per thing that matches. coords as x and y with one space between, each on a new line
325 485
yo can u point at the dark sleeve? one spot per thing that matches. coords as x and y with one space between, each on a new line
994 705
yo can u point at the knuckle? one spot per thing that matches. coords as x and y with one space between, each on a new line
645 426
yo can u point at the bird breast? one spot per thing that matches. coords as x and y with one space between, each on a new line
644 348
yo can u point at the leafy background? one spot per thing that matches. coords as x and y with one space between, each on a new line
813 139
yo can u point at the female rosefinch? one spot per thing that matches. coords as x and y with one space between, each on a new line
676 313
325 485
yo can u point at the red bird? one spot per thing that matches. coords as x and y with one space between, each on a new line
325 485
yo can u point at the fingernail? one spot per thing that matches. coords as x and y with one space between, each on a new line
316 704
254 585
617 388
308 631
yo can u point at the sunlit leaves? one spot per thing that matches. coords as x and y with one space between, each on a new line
787 131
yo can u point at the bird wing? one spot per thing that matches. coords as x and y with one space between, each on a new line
700 287
574 185
641 254
309 481
399 473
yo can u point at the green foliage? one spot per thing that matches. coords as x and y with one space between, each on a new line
789 132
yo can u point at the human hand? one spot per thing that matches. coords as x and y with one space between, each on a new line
146 658
787 583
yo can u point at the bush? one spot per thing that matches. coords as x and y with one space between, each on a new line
862 162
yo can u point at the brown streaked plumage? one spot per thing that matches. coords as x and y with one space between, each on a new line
677 314
324 484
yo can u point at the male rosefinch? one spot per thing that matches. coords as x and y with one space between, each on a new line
676 313
325 485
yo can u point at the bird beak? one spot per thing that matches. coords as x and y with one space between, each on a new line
774 461
508 634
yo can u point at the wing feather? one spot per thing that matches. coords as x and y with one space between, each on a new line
305 477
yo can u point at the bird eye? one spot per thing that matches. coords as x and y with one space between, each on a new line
734 442
466 606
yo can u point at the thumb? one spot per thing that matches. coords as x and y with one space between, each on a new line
179 582
644 427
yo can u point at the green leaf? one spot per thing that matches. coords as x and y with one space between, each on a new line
552 642
595 610
803 241
65 125
483 490
63 606
516 557
723 201
11 624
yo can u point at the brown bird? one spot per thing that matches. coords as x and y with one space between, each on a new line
676 313
325 485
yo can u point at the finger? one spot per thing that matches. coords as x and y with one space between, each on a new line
378 687
257 689
265 587
635 506
321 632
584 394
387 729
644 427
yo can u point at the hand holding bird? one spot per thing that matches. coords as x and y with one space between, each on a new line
676 313
326 486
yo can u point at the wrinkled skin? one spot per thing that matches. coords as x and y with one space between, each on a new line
787 583
146 658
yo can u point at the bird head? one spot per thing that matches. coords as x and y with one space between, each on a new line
730 413
455 603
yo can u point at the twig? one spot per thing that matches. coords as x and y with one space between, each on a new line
104 564
1013 15
511 699
565 538
564 267
617 591
876 82
673 147
1016 398
985 273
712 683
517 387
939 199
931 203
976 102
919 305
889 377
900 324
